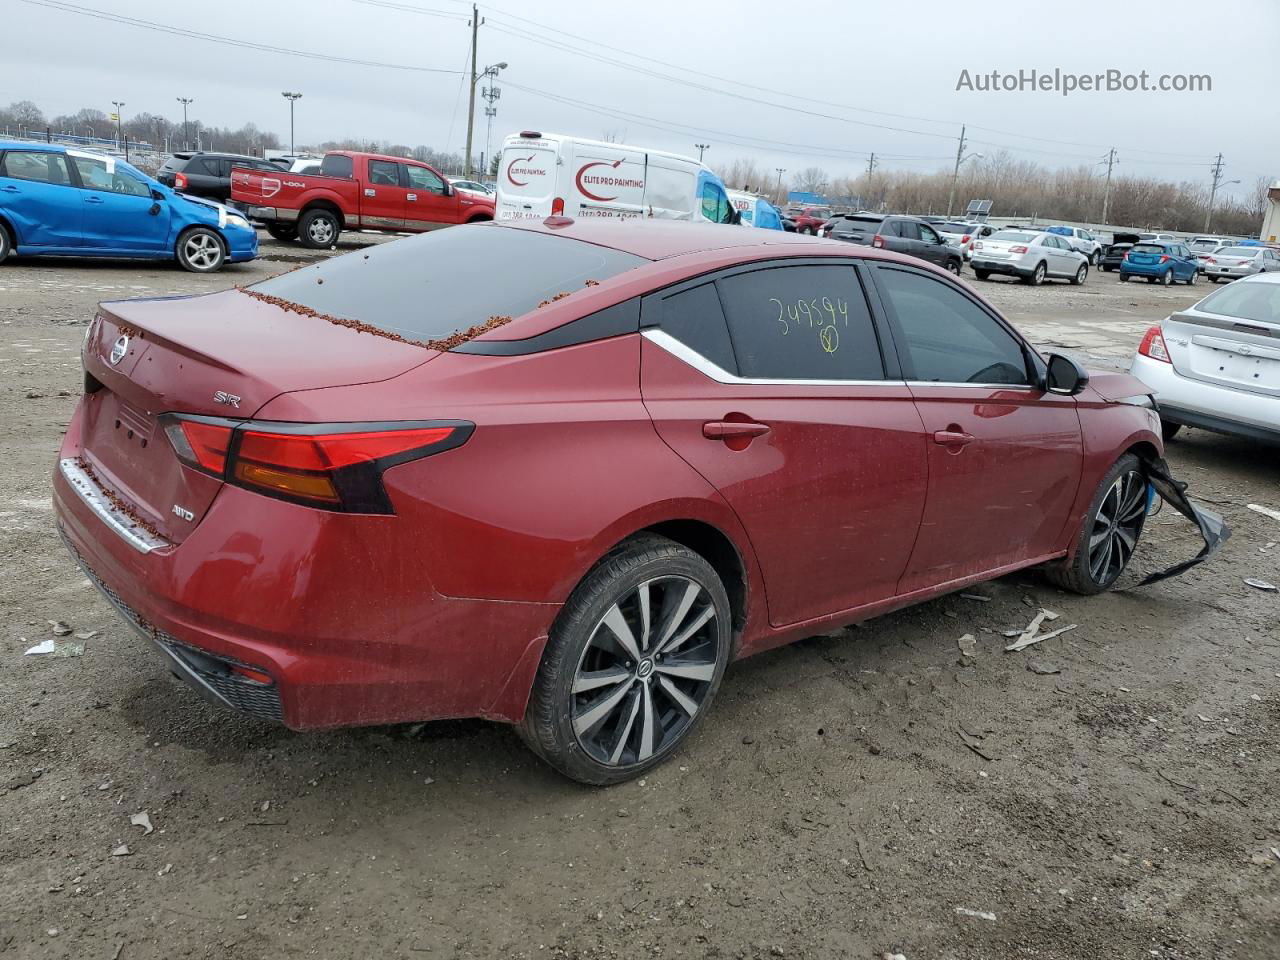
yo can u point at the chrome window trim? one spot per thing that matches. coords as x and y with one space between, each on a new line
717 373
1030 388
119 522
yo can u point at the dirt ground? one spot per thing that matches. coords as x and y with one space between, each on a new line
1114 792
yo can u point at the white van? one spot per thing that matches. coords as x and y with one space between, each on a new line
546 174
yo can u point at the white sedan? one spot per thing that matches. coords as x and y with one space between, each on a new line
1030 256
1216 365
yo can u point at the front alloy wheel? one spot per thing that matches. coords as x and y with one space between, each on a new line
632 664
1109 533
200 251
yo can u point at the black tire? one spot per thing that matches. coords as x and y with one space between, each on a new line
200 250
1079 572
1095 258
6 243
284 232
318 229
1124 277
1169 430
1080 276
982 274
554 714
1036 276
1166 278
1106 269
1215 280
953 267
805 230
1151 279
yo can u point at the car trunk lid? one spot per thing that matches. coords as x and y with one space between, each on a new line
1146 255
1228 351
223 355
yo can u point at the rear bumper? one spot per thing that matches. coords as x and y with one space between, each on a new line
341 621
1144 270
1012 268
1209 406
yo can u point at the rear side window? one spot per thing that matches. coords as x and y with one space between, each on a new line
801 323
948 338
202 166
695 318
336 165
436 284
37 165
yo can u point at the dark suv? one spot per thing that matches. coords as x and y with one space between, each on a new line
208 174
909 235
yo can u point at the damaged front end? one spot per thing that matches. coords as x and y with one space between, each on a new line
1212 527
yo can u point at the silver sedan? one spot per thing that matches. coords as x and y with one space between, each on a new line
1232 263
1217 365
1028 255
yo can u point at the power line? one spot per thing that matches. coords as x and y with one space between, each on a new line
227 41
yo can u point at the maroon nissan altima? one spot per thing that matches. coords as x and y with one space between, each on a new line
561 473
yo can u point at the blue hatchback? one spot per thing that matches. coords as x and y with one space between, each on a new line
59 201
1160 260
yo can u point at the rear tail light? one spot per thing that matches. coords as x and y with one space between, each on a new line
877 241
1126 255
1018 249
557 207
180 181
1164 259
1209 260
1152 345
964 239
335 466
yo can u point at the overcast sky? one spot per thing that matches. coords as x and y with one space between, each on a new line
865 66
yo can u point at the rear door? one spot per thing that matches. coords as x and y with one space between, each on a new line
119 212
384 195
1004 457
787 407
36 192
527 178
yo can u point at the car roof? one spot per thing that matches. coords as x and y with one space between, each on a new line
663 239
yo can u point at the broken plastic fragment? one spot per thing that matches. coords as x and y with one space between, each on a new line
1212 527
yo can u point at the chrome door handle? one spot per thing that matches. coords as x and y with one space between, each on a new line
412 196
952 438
732 430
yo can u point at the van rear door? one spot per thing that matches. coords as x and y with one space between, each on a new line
527 178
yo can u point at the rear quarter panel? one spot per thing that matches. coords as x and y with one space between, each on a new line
293 191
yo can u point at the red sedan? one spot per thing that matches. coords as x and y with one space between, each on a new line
561 474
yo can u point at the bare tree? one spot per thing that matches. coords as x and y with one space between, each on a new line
811 180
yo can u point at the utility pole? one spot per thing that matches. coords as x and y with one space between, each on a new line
778 192
955 174
1106 190
471 109
871 166
701 148
292 98
119 105
1216 167
186 131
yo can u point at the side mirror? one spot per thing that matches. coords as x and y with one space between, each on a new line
737 217
156 194
448 189
1065 376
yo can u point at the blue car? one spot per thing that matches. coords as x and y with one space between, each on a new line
63 202
1162 260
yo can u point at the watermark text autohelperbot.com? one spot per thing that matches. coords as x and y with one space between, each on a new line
1065 83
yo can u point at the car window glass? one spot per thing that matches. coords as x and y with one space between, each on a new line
336 165
95 176
806 322
1246 300
36 165
908 230
420 178
947 337
927 233
384 173
695 318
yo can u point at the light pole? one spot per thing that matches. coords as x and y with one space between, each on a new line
119 105
1208 217
186 131
702 147
490 71
778 192
292 98
960 161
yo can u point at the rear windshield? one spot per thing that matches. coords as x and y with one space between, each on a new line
1239 251
1205 245
955 227
1247 299
857 225
1012 236
436 284
1148 248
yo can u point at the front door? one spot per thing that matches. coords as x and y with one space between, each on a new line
37 195
426 204
787 412
383 201
118 209
1004 456
931 247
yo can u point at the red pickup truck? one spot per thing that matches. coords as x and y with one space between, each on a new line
355 191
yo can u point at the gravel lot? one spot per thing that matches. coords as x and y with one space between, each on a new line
1109 793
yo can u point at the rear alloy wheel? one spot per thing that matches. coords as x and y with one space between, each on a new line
1191 280
1095 258
200 250
1037 276
1080 274
1110 532
633 663
318 229
1166 278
